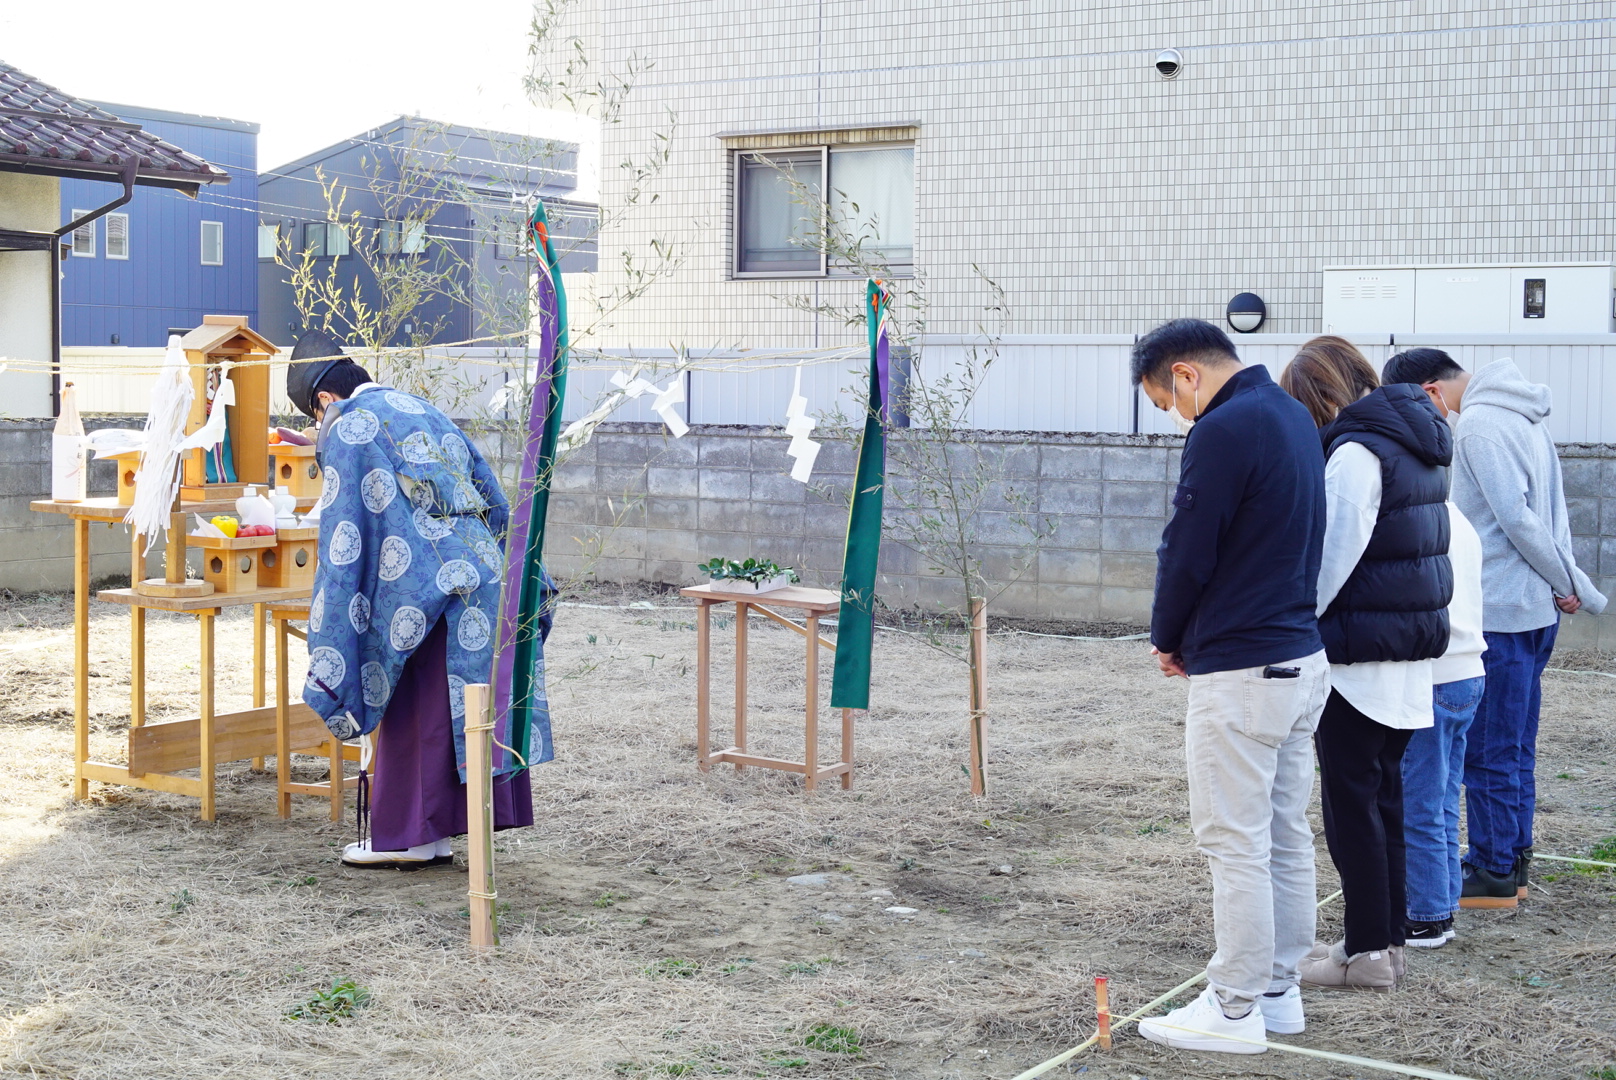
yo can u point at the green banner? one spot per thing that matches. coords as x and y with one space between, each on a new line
855 625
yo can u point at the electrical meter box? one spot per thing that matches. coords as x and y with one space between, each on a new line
1492 299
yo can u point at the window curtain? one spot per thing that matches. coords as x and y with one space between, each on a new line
873 196
772 218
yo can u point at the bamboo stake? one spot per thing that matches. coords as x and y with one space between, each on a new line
979 694
1102 1011
480 817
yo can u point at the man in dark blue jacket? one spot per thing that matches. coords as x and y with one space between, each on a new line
1236 586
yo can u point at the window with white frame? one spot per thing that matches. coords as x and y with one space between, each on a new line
83 237
406 237
824 210
213 243
117 236
269 239
322 238
510 237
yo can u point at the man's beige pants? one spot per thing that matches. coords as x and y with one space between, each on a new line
1249 744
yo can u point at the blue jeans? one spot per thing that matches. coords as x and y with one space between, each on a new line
1433 769
1501 753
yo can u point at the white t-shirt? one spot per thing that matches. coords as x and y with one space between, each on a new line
1396 693
1465 643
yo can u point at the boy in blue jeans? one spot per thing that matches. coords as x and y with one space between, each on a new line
1433 765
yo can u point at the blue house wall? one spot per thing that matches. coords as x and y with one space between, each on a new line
163 283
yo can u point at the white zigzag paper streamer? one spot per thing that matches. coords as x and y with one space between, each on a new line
799 425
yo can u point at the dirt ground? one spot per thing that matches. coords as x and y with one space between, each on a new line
650 926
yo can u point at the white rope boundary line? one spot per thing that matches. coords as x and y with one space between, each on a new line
1328 1055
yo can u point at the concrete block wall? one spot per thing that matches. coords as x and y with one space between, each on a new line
637 505
36 550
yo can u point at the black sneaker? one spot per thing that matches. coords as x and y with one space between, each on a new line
1485 889
1426 935
1522 861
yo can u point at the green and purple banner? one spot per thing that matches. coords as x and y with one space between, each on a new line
855 624
527 587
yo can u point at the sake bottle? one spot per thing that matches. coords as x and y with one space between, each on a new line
69 474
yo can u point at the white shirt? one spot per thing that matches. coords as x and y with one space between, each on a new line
1465 643
1396 693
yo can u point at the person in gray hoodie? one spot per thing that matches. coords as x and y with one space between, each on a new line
1506 482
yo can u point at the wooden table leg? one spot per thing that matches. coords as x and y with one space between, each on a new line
740 678
205 734
137 666
137 638
811 754
704 628
258 669
81 656
283 736
847 749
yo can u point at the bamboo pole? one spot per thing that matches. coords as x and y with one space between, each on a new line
480 817
979 695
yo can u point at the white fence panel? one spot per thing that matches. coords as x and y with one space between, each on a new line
1040 383
1035 383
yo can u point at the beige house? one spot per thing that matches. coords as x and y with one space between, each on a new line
1109 166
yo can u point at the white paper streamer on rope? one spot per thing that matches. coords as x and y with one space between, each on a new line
211 434
158 480
799 425
663 406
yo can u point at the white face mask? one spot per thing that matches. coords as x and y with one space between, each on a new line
1182 422
1448 412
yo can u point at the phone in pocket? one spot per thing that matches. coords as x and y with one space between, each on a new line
1273 672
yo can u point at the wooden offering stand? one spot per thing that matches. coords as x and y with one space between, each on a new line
813 603
230 564
158 752
290 563
295 469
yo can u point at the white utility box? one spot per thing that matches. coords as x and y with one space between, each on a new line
1547 298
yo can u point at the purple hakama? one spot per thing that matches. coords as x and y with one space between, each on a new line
416 793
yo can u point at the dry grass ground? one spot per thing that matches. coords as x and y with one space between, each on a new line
648 924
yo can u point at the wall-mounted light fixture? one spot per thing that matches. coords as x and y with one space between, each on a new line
1246 312
1169 63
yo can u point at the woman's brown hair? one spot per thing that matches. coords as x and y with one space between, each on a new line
1326 375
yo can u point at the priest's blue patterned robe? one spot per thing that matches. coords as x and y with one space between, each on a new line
412 528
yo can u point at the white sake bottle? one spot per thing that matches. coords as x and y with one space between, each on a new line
285 504
69 473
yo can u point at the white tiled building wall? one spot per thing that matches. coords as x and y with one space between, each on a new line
1101 197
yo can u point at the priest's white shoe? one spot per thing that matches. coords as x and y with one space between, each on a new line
1202 1025
414 858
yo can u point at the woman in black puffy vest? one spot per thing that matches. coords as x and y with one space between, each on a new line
1384 588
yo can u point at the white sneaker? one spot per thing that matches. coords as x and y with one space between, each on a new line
1201 1025
1282 1013
415 858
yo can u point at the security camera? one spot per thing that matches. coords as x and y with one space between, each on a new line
1168 63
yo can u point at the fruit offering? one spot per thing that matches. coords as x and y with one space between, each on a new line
226 525
255 530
